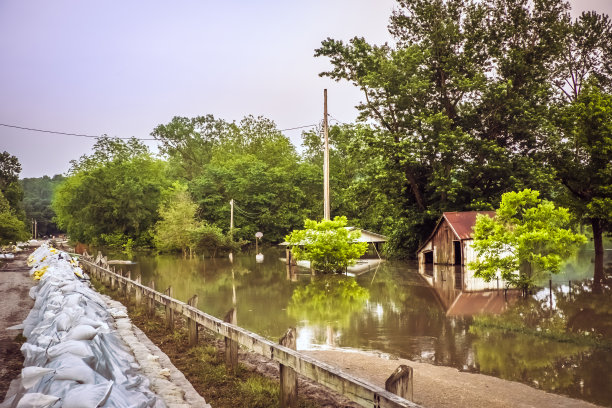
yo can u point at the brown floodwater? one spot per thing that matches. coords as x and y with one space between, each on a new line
392 310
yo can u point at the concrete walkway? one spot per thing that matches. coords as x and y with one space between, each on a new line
441 387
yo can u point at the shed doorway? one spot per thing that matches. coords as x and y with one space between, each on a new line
458 257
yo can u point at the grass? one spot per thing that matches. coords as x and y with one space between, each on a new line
203 365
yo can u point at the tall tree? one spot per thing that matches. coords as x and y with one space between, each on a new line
111 195
582 156
458 103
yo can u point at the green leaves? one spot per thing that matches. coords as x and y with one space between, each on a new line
328 245
528 239
111 195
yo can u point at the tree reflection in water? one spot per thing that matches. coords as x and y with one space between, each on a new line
568 351
329 301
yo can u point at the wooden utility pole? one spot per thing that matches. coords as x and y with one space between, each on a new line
326 205
232 218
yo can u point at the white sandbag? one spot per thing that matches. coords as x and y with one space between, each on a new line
82 374
87 396
91 322
81 332
74 347
37 400
31 375
63 321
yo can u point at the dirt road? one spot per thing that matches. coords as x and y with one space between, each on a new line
15 304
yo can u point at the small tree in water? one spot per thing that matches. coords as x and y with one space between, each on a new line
527 239
328 245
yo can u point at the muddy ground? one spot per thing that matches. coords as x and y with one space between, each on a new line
15 304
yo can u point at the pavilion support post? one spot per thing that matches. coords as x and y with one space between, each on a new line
288 377
231 346
192 325
401 382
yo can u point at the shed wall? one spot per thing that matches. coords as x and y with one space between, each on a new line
443 244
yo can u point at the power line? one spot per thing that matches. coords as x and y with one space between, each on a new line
68 134
112 137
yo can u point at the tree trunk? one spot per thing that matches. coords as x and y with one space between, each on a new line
598 274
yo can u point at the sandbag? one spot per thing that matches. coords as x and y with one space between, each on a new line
87 396
74 347
81 332
31 375
37 400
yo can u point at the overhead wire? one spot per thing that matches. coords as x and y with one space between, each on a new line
112 137
247 213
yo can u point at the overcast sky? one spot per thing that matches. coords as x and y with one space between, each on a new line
123 67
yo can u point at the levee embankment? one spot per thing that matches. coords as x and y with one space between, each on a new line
81 348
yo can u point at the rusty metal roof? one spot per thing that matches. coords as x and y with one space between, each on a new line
463 222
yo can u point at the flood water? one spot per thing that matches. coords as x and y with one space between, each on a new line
393 310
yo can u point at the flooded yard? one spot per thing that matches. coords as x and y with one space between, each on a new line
391 309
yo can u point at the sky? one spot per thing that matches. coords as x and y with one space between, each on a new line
123 67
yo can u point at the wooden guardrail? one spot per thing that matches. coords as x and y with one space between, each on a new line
357 390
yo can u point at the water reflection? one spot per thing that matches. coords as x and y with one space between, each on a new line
329 302
394 310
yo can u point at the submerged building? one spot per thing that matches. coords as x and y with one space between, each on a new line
446 254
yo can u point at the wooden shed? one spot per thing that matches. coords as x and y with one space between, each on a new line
450 243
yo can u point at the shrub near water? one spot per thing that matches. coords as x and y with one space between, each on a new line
328 245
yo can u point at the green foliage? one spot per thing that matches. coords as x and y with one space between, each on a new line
527 239
37 195
12 229
178 228
328 299
112 195
173 231
250 162
12 225
328 245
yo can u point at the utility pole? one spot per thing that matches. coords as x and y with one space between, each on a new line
326 205
35 229
232 218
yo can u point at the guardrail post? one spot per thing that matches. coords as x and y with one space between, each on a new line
112 279
169 311
191 323
128 285
151 301
138 291
231 346
288 377
400 382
